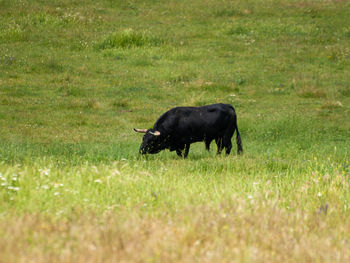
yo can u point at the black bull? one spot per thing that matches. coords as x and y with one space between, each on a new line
179 127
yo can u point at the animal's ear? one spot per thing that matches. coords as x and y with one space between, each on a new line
140 130
156 133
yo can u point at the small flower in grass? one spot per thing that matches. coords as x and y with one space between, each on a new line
44 172
56 185
14 188
319 194
45 187
197 243
59 212
98 181
56 193
115 172
250 197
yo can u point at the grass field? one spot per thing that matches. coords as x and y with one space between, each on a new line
77 76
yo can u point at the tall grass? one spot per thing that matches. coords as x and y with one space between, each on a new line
77 77
129 38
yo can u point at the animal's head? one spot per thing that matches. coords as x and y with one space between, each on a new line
151 141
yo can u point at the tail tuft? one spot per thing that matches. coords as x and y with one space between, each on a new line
239 145
239 142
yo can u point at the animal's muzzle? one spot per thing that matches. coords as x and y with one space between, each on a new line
143 150
148 150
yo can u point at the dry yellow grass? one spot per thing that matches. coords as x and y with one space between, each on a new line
238 232
311 92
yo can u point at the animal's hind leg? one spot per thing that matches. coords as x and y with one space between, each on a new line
227 145
219 144
227 141
207 144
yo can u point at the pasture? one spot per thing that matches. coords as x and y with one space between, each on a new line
77 76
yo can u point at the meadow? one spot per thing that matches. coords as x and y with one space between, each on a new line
77 76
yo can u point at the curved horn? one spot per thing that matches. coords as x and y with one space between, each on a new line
156 133
140 130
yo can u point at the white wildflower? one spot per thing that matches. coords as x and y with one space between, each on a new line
56 193
98 181
115 172
44 172
197 242
59 212
14 188
319 194
338 103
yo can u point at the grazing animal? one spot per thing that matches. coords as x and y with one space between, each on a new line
179 127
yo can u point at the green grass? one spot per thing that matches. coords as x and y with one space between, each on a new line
77 76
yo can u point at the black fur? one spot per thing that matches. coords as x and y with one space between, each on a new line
181 126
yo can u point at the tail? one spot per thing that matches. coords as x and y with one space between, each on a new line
238 140
238 136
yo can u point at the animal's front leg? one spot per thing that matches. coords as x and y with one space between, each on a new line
187 149
179 152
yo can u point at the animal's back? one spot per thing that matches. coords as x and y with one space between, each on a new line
197 122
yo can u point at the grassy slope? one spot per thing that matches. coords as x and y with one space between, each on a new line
77 76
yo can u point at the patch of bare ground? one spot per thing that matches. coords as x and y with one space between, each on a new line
331 105
311 92
306 4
